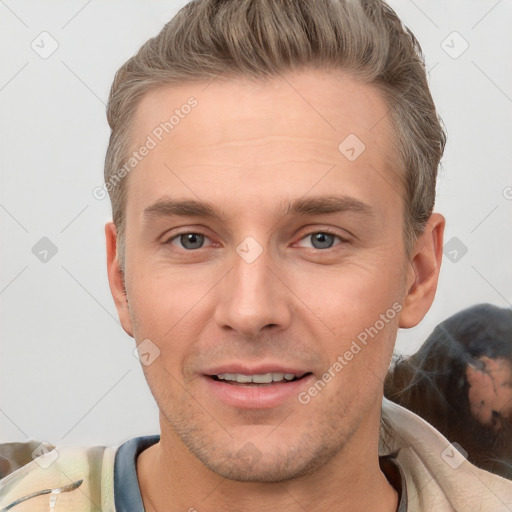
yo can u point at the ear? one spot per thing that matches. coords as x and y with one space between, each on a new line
116 279
423 272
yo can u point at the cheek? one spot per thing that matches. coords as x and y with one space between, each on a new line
360 304
353 295
163 292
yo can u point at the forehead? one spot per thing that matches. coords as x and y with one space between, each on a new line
289 130
328 101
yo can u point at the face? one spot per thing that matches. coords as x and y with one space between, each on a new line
261 246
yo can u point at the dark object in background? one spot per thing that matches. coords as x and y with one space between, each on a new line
460 381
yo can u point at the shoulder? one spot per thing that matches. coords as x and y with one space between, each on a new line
79 477
438 476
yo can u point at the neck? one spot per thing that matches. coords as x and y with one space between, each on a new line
172 479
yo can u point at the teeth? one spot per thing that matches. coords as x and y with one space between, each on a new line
264 378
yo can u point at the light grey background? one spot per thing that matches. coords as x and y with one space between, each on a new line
67 371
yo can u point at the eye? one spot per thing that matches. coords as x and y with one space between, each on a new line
323 239
188 241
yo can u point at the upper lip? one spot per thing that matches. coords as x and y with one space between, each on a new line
245 369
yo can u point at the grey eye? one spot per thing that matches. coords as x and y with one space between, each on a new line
191 240
322 240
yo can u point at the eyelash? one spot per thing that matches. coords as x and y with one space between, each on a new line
323 231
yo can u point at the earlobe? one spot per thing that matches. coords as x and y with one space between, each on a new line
116 278
423 275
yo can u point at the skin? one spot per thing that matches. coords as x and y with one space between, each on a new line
247 148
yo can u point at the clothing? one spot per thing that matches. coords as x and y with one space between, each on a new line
127 492
434 478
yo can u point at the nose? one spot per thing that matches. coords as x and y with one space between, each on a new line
254 296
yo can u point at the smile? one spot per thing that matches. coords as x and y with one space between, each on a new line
262 378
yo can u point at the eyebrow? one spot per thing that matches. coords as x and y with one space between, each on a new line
167 207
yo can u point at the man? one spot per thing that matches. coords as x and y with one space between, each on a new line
272 171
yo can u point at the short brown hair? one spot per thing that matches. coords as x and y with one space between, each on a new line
263 38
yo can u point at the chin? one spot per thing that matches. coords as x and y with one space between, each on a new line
264 464
258 473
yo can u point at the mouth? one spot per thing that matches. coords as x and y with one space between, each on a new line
266 385
260 379
256 390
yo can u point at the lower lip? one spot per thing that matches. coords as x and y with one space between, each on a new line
257 396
